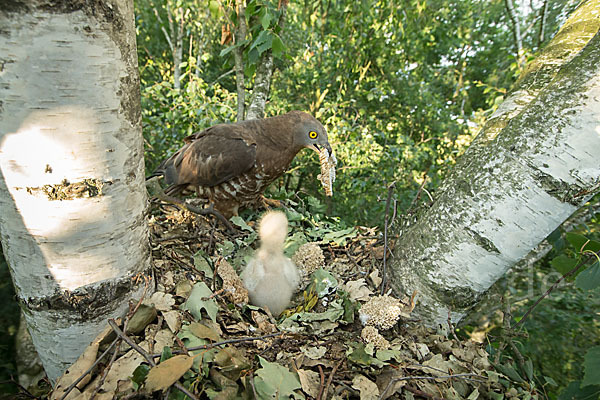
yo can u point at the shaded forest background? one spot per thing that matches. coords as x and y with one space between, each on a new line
402 87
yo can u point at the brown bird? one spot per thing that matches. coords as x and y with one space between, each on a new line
232 164
270 276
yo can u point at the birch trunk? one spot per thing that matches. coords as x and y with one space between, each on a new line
72 196
262 79
261 88
535 162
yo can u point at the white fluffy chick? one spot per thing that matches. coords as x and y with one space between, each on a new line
270 276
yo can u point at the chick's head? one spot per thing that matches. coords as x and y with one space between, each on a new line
273 230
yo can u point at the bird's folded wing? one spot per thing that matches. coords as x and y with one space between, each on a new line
211 160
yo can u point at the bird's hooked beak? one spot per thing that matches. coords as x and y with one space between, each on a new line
317 148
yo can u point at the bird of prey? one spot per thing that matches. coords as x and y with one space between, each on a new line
270 276
231 165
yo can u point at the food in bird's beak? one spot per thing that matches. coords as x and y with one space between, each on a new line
327 176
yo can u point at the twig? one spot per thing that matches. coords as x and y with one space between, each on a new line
114 342
72 386
451 327
253 388
468 377
571 272
351 258
230 341
147 356
507 337
117 343
418 195
422 393
330 379
322 384
132 311
160 194
385 235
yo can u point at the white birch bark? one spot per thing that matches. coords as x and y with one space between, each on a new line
72 196
262 84
535 162
262 78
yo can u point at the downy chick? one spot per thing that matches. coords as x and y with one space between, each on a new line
270 276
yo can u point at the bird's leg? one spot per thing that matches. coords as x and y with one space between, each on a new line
268 203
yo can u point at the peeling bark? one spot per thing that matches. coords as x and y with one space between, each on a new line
72 195
534 163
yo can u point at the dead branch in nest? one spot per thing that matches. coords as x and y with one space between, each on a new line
160 194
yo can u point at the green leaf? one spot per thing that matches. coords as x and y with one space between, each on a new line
528 369
575 391
333 313
581 243
226 248
340 237
275 381
202 264
278 46
324 283
265 19
166 354
139 375
591 367
239 221
266 43
589 278
262 37
199 300
509 371
213 6
358 354
563 263
550 381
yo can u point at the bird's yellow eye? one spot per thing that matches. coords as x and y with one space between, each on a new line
313 134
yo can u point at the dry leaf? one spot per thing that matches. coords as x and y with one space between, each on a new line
121 368
262 321
368 389
314 352
183 289
310 381
387 383
161 301
204 332
168 372
358 290
173 319
83 363
374 276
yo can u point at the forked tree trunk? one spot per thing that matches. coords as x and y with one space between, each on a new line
534 163
72 195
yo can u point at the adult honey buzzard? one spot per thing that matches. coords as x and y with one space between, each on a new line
231 165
